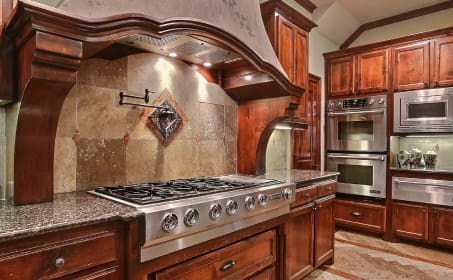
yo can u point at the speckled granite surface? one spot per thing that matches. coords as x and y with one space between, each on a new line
297 176
66 211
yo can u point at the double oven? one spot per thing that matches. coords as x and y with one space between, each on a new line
357 145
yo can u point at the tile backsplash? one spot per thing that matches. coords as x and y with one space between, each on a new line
90 148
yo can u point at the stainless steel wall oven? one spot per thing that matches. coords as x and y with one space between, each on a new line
357 144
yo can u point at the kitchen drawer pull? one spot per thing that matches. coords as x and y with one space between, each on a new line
59 262
228 265
307 195
355 214
329 188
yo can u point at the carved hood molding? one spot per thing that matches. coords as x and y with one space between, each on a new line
43 47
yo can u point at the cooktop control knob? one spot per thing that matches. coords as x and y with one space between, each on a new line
263 199
250 203
372 101
381 100
215 212
191 218
287 193
232 207
170 222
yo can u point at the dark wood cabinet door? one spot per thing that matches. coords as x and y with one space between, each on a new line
299 242
411 66
324 231
268 274
372 74
300 57
411 221
306 149
340 79
443 226
443 62
286 31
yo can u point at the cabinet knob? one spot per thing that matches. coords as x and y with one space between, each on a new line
436 82
355 214
329 188
59 262
307 194
228 265
424 210
425 83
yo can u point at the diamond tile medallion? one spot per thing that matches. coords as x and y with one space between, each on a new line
165 123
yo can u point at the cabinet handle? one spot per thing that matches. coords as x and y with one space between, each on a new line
425 83
228 265
59 262
424 210
329 188
436 82
307 195
355 214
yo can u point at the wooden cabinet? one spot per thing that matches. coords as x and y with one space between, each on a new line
288 33
310 230
410 220
443 62
410 65
306 147
443 226
95 252
365 72
340 76
360 215
423 64
252 258
324 231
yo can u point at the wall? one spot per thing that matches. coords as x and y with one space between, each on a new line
207 145
2 152
429 22
278 152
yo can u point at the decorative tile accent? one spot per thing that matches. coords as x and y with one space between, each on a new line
165 124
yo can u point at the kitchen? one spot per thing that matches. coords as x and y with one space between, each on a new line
99 143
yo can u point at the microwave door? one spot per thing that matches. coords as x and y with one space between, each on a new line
424 111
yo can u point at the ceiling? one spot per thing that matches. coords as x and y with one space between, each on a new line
350 14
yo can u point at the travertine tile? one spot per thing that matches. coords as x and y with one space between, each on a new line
100 163
211 156
211 121
103 73
65 165
177 160
231 123
67 124
101 117
141 160
231 148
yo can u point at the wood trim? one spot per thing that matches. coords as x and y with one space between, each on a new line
6 6
277 6
307 4
394 19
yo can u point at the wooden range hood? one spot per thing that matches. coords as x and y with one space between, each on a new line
43 47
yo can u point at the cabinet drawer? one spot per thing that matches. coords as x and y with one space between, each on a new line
360 215
237 261
44 259
327 189
305 195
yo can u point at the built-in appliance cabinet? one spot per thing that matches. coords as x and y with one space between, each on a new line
252 258
93 252
309 230
423 64
427 223
364 72
288 32
360 215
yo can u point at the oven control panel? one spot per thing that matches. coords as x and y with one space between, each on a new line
371 102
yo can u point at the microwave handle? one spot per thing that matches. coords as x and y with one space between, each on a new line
397 181
357 112
382 158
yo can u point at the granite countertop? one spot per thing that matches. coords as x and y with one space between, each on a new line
297 176
66 211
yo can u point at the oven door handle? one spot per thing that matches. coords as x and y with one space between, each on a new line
422 183
382 158
357 112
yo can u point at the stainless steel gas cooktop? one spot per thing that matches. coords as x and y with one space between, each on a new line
185 212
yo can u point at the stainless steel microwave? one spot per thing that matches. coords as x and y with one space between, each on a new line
427 110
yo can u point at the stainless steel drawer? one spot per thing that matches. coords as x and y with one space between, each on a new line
438 192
